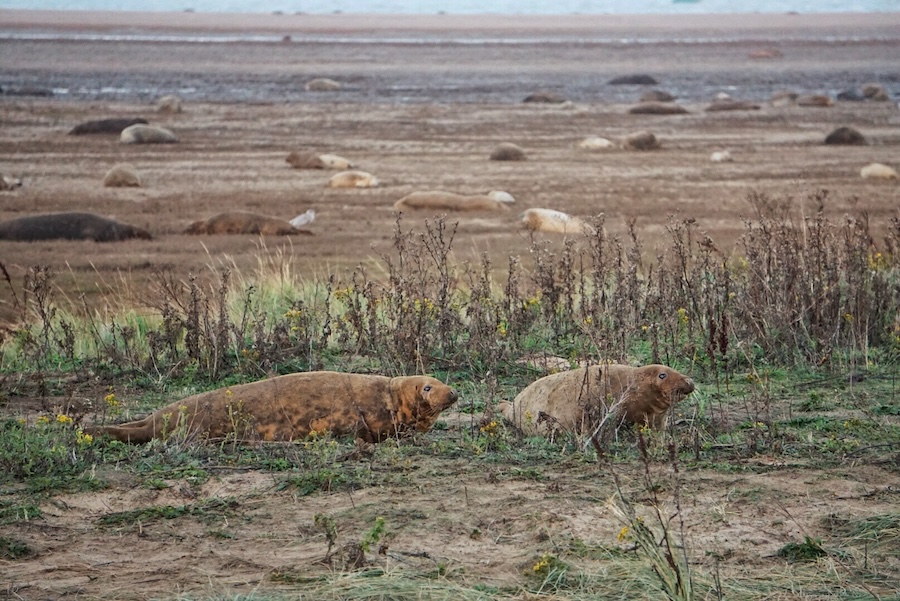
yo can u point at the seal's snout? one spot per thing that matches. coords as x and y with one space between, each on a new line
688 386
452 397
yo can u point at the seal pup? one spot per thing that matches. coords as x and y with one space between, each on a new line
69 226
554 222
596 143
878 171
285 408
122 176
323 84
245 222
352 179
579 400
721 156
169 104
438 200
105 126
146 134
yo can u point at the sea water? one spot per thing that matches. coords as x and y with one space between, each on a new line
519 7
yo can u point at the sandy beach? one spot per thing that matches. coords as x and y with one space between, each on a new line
424 115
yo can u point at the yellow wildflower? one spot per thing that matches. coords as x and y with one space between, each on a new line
623 533
63 419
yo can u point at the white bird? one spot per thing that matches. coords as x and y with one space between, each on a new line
305 219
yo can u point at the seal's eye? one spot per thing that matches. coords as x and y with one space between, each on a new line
662 376
427 388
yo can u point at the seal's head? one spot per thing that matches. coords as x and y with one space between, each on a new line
421 399
652 391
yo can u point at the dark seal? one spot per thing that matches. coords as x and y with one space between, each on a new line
69 226
105 126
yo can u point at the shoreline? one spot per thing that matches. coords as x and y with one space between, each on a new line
739 26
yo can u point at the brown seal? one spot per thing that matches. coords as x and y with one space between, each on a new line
642 140
69 226
290 407
243 222
579 400
507 151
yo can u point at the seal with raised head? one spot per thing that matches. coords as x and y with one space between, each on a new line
243 222
290 407
579 400
69 226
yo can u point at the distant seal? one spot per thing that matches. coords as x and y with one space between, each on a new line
878 171
596 143
642 140
545 97
638 79
243 222
721 156
819 100
507 151
69 226
286 408
732 105
846 136
147 134
105 126
312 160
657 96
657 108
784 98
875 92
352 179
579 400
765 53
323 84
122 176
438 200
169 104
304 160
333 161
553 222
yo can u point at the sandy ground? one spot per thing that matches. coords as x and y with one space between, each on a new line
420 116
